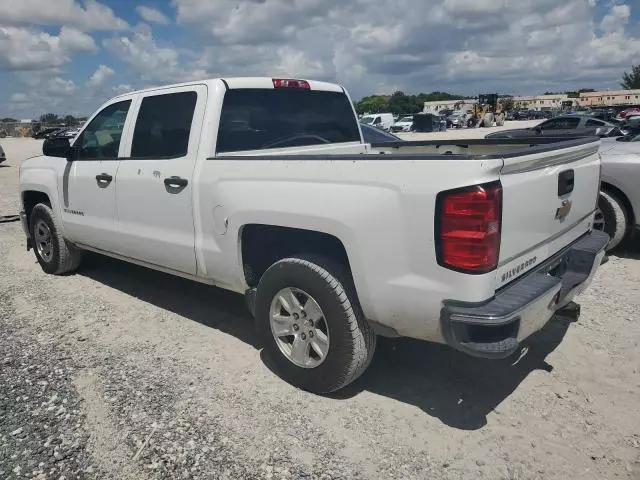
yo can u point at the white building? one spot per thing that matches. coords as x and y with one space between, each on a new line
434 107
607 98
610 98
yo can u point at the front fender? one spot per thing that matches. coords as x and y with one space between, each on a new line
37 176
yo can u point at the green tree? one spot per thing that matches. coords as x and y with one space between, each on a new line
373 104
69 120
8 120
49 118
401 104
631 80
508 103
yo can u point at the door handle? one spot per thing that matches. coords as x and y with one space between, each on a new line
566 182
104 179
176 182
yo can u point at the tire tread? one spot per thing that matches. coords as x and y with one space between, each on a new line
69 257
363 337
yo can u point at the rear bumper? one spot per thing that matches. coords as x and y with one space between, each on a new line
494 329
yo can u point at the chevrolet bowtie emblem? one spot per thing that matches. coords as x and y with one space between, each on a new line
563 211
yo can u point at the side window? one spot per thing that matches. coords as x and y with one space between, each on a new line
163 126
594 123
561 124
101 139
550 125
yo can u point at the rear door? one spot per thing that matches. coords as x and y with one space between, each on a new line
549 199
155 180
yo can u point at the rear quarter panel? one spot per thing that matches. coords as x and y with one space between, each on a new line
381 210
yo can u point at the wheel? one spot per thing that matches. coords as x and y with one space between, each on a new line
54 254
310 320
611 217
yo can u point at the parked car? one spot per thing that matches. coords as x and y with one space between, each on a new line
629 111
378 120
429 122
573 125
332 240
404 124
459 119
619 203
3 157
69 133
44 132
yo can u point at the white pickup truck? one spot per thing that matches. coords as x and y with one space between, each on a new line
265 187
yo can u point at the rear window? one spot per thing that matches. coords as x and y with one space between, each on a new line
257 119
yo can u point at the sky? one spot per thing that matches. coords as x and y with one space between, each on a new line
68 56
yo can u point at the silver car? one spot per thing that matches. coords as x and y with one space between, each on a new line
571 125
618 211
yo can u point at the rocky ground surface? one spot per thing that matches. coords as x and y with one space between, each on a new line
117 372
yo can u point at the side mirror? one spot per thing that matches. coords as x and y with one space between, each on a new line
56 147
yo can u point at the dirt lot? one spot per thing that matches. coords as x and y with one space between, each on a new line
120 372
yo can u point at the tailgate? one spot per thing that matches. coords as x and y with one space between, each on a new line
548 202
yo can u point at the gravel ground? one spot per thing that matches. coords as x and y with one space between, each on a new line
120 372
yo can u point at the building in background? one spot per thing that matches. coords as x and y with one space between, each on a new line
610 98
606 98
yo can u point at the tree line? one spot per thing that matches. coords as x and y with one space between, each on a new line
50 119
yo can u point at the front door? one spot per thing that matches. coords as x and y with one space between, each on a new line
155 183
88 185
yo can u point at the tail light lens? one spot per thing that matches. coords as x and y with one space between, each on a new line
468 223
290 83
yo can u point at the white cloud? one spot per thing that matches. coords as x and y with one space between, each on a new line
60 87
122 88
142 54
19 98
463 45
292 62
90 16
616 20
153 63
25 49
99 76
152 15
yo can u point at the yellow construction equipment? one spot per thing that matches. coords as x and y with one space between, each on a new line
488 110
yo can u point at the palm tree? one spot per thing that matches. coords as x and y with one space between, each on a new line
631 81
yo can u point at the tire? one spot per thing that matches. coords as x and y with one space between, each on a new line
615 219
63 257
351 340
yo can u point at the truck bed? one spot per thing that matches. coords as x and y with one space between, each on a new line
478 148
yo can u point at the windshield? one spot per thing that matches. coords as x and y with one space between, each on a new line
367 119
406 119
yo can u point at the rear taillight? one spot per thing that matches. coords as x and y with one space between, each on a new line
290 83
468 225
